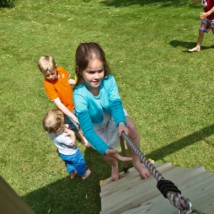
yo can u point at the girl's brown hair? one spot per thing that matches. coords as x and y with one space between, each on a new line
86 52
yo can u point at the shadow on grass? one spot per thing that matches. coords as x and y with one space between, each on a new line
67 196
7 4
162 3
188 45
183 142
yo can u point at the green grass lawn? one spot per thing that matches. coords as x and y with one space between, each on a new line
167 91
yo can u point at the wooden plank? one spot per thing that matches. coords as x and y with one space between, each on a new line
156 205
131 192
201 193
127 182
191 174
156 202
127 194
132 172
159 204
205 203
135 192
209 209
195 182
107 182
128 203
177 173
10 202
132 176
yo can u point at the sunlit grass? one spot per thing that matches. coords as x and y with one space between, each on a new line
166 91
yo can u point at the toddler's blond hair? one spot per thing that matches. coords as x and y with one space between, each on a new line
53 122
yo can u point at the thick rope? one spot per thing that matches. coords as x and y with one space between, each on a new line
148 164
167 188
123 150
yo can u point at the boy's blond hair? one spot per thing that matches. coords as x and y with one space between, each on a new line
53 122
46 64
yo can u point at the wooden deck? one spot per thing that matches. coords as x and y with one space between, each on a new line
132 195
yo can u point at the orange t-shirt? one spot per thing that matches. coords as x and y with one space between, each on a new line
60 88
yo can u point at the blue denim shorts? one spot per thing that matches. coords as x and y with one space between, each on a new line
74 162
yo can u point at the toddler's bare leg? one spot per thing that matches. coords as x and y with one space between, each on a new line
73 174
87 174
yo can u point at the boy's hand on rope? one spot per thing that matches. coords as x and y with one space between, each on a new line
114 153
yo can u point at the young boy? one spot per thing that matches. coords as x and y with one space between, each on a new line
58 88
64 140
207 23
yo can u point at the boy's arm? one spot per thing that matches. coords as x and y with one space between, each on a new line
204 15
64 109
71 82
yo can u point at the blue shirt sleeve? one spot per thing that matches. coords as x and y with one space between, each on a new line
87 125
116 108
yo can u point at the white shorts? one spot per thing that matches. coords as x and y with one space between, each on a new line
108 130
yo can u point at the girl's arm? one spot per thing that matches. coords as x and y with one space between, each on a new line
64 109
97 143
115 102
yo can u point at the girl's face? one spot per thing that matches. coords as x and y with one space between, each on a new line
93 74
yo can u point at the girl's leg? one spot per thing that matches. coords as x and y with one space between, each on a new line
114 167
144 172
199 42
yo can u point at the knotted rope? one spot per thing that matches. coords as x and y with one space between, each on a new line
166 187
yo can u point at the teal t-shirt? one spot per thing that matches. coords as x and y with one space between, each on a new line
90 109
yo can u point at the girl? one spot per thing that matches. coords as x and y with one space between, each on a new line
99 108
